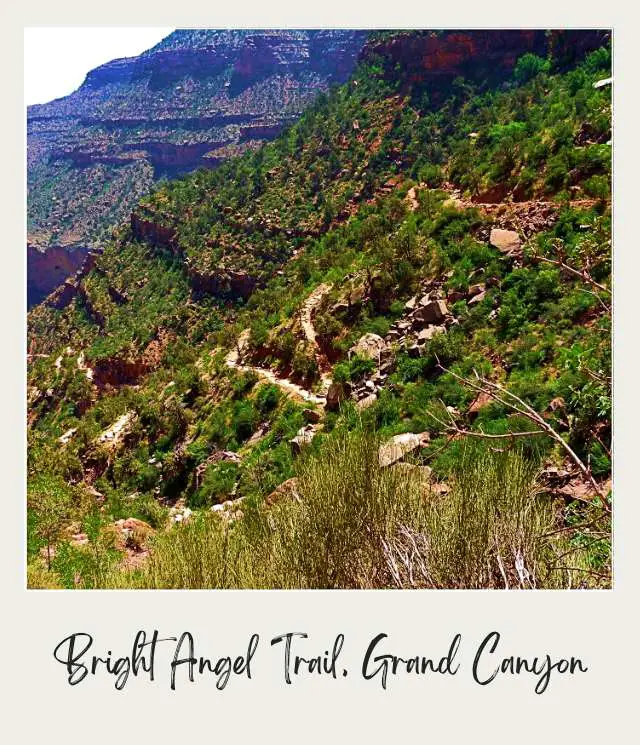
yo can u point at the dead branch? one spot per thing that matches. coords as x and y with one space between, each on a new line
581 526
583 274
509 400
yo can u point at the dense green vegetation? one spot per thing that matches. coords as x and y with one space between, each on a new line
329 203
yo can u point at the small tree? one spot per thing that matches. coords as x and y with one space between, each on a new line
49 499
530 65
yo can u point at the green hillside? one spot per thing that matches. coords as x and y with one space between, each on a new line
212 400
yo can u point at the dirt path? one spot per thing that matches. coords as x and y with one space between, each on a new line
306 313
284 383
308 329
232 360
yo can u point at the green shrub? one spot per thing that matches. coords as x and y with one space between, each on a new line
218 482
267 398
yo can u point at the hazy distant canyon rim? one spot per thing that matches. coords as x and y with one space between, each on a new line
195 99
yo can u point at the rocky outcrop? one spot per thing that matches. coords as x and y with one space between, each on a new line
48 268
369 346
152 232
287 490
506 241
426 315
225 283
170 159
336 394
400 446
438 57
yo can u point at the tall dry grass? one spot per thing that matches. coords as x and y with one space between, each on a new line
356 525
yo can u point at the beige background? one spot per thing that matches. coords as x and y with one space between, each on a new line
599 627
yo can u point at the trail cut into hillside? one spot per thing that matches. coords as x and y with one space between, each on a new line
232 360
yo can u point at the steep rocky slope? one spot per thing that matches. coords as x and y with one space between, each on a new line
195 99
409 233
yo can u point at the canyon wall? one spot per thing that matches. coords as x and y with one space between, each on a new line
197 97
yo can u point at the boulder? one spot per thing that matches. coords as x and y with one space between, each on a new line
475 290
132 534
399 446
311 415
433 312
356 296
481 400
340 308
410 304
288 489
369 346
477 298
366 402
303 438
454 296
603 82
421 473
226 455
506 241
336 394
428 333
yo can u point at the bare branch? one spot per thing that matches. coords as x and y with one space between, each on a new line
515 403
582 274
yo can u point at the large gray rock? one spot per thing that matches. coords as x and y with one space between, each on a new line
434 311
366 402
410 304
506 241
336 394
477 298
399 446
369 346
428 333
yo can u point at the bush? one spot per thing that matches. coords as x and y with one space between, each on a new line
267 398
597 187
528 66
244 420
217 484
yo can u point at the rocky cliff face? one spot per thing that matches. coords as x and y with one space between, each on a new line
47 269
194 99
435 57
